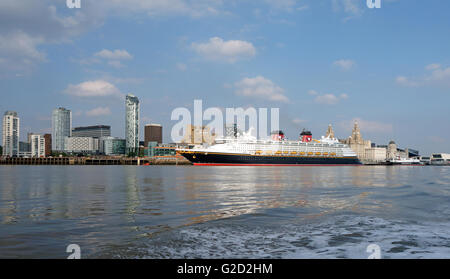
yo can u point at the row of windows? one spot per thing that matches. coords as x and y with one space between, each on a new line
265 149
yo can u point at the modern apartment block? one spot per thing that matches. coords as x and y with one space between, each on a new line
132 123
85 145
10 134
37 143
97 131
61 127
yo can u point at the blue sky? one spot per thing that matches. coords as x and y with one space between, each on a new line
320 62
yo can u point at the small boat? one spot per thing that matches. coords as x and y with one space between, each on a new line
405 161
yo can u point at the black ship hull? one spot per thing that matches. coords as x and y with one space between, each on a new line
224 159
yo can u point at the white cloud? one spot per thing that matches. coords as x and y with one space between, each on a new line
97 88
39 23
344 64
260 87
229 51
439 74
19 52
112 58
26 25
21 44
118 54
435 75
100 111
327 99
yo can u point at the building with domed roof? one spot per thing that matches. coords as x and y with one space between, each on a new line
392 150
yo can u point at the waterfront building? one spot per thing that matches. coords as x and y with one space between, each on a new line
24 149
10 134
440 159
37 143
152 132
97 131
357 143
48 145
112 146
85 145
132 124
375 154
198 135
61 127
161 150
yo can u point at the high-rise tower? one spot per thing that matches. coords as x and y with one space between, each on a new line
10 135
61 127
132 124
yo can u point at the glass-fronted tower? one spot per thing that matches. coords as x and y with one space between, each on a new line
10 134
61 127
132 124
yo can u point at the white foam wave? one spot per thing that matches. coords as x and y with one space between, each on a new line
337 237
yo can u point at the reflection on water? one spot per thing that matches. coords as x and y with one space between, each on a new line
44 208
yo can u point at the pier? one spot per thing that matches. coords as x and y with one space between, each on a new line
166 160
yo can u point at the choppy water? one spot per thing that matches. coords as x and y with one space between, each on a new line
224 212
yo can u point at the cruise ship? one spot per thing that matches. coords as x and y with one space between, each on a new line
246 150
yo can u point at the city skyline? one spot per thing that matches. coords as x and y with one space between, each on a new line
321 62
132 135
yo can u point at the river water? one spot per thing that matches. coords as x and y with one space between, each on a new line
224 212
